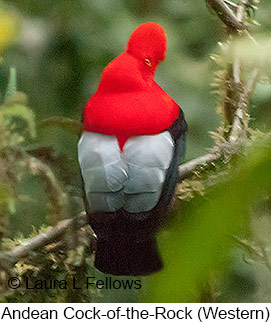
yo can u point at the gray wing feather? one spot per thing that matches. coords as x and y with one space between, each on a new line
131 179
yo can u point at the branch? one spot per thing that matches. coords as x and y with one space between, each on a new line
9 258
241 10
237 126
235 22
226 15
42 239
185 170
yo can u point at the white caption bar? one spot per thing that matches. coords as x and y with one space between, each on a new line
135 312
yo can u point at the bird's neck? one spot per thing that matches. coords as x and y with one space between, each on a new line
126 73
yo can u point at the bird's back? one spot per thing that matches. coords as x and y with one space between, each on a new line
131 179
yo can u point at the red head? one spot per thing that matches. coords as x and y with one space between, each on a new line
132 69
148 43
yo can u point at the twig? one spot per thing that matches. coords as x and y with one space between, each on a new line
42 239
185 170
226 15
241 10
230 3
259 252
237 126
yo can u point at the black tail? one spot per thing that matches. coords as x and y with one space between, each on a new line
122 256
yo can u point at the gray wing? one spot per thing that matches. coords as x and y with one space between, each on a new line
132 179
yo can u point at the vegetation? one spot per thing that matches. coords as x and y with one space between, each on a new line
216 243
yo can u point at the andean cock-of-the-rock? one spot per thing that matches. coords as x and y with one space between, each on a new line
132 141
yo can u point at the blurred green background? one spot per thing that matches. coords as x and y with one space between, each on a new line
59 52
63 47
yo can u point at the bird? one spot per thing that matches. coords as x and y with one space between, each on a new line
132 140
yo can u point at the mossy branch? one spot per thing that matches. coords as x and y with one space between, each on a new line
11 257
187 169
242 94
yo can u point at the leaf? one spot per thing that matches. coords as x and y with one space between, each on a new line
12 85
22 112
71 125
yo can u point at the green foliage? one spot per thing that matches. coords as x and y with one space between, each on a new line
54 263
198 247
14 108
22 112
216 246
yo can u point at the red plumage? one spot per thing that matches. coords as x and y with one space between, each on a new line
128 191
128 101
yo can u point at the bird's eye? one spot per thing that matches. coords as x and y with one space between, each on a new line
147 62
